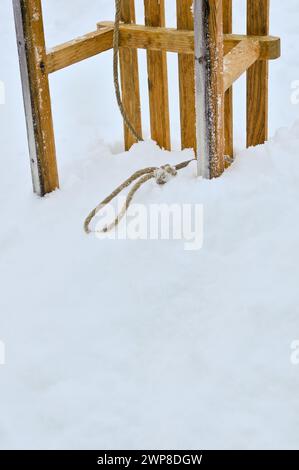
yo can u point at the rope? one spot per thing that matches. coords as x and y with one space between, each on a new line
116 72
160 174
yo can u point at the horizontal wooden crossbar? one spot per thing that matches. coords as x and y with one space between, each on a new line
172 40
146 37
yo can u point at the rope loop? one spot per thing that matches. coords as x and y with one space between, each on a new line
161 175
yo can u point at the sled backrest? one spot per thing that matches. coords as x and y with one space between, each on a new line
240 53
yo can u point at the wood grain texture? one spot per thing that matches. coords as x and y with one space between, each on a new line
32 55
128 60
182 42
257 76
209 91
238 60
228 98
157 78
81 48
186 79
216 112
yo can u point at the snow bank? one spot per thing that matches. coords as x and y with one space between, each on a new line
118 344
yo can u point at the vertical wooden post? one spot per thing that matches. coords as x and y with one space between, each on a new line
37 101
157 78
130 78
208 27
186 79
258 13
228 102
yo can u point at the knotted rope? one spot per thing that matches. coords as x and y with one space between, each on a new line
161 174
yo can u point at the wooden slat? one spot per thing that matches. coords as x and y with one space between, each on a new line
257 76
137 36
238 60
182 42
208 18
32 55
186 79
157 78
130 79
215 24
79 49
228 99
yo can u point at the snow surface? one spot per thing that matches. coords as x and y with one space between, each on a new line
119 344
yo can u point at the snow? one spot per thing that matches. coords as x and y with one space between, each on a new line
121 344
